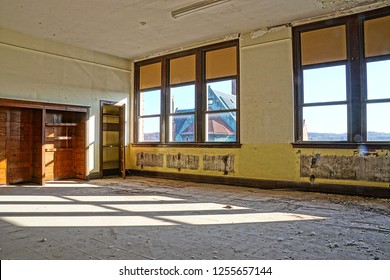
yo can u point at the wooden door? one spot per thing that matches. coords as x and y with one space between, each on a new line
20 146
80 146
4 116
122 152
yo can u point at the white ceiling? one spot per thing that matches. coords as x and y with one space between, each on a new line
136 28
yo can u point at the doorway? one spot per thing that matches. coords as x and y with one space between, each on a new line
112 140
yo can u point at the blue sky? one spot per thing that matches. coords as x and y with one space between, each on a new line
328 84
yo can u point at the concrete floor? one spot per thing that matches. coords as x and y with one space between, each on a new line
144 218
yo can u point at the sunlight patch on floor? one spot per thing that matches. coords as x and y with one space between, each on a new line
50 208
239 218
69 184
86 211
32 198
171 207
85 221
119 198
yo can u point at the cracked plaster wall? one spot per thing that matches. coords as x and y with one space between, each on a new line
357 167
220 163
182 161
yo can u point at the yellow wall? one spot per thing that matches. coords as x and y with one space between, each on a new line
42 70
267 118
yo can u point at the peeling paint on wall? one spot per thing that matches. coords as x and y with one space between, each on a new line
153 160
219 163
261 32
367 168
182 161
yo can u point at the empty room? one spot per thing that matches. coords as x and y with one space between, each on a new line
195 130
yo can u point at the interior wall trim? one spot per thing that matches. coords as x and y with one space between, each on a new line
21 103
66 57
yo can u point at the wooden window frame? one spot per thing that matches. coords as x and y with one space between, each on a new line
200 98
356 80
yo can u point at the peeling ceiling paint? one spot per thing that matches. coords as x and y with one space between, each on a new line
344 4
139 28
261 32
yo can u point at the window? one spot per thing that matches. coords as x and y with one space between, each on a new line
221 109
189 98
342 85
182 76
149 117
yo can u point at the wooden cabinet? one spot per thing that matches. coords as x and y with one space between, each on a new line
64 145
40 141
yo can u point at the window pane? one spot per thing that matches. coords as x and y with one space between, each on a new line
324 84
149 129
150 75
221 127
378 125
182 128
324 45
377 36
182 70
221 63
378 79
150 102
221 95
183 99
325 123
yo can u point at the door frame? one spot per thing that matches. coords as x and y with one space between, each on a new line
122 146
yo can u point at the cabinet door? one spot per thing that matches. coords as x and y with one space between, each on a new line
20 148
3 145
64 164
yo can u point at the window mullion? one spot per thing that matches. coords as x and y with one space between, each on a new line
354 84
298 86
199 96
164 111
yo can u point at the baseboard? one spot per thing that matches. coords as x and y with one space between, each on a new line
94 175
371 191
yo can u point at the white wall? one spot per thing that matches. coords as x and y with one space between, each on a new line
42 70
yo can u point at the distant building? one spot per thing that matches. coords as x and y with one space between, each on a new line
221 126
305 134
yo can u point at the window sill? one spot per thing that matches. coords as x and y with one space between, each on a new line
341 145
188 145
